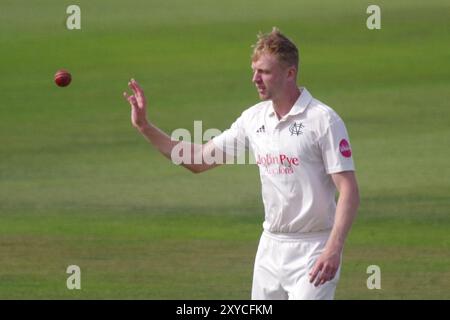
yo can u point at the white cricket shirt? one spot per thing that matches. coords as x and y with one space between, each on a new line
296 156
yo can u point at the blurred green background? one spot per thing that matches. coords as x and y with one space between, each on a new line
79 186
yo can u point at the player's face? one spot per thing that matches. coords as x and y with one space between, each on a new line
269 76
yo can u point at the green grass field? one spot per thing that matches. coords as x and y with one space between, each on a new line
79 186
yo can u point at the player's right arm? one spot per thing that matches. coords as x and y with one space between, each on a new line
160 140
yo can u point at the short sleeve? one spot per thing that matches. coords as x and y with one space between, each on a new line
336 150
233 141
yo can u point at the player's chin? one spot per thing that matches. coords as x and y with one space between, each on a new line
263 95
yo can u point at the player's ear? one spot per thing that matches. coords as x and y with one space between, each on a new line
292 72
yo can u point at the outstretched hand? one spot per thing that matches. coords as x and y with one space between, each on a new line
138 105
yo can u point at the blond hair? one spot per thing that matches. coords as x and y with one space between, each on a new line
277 44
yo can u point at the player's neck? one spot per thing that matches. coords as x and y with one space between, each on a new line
284 103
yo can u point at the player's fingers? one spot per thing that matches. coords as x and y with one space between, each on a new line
132 87
133 101
326 269
317 282
126 96
315 271
139 92
137 86
130 99
318 279
327 274
322 278
331 274
322 281
330 277
312 275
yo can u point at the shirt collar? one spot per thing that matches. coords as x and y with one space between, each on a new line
299 106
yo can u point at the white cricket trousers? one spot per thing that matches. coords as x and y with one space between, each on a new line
282 267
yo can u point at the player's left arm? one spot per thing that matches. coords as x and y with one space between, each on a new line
328 262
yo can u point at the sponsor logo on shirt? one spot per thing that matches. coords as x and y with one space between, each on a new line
281 159
278 164
296 128
345 149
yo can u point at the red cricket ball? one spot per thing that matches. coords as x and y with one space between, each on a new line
62 78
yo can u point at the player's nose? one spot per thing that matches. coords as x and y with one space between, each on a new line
256 77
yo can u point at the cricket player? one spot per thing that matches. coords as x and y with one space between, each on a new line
303 152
